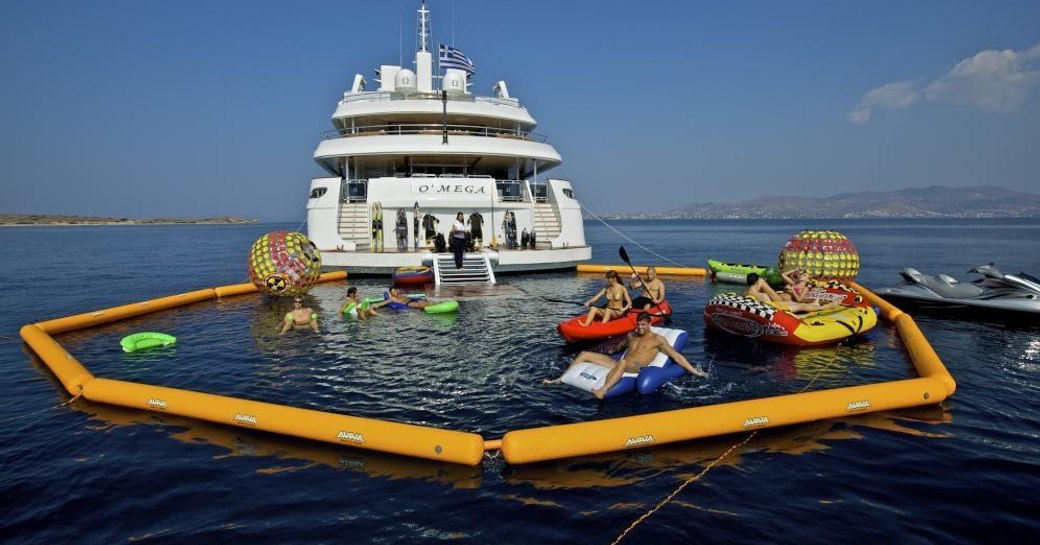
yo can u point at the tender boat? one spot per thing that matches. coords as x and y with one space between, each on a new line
996 293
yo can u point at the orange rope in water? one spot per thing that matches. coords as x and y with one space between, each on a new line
706 469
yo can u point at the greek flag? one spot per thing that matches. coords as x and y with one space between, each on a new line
453 58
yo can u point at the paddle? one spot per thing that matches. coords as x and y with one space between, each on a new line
550 299
624 257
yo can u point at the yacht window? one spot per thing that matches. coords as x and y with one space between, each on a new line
318 192
569 193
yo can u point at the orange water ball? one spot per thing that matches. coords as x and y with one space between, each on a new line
284 263
825 255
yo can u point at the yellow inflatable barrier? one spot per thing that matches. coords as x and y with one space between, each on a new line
365 433
550 443
70 372
517 447
621 269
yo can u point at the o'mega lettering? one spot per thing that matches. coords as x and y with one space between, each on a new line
451 188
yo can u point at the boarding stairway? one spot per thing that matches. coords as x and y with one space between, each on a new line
546 224
476 270
354 224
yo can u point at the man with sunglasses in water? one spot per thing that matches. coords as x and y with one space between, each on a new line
641 347
299 317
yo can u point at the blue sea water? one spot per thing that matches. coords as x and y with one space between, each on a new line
964 472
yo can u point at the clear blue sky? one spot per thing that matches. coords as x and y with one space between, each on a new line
189 108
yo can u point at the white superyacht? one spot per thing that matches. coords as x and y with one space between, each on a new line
405 158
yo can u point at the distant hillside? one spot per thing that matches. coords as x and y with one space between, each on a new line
50 219
927 202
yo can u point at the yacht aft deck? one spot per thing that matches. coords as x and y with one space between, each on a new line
362 262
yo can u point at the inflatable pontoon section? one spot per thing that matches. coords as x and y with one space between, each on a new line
518 447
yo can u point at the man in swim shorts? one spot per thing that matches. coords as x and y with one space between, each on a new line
300 317
641 347
653 286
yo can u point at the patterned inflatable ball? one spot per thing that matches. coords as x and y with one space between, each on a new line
284 263
825 255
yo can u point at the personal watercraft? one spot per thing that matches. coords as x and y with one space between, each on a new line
994 292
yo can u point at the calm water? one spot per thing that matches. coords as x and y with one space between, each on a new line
87 473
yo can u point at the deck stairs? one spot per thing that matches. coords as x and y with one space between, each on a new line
476 270
354 224
546 224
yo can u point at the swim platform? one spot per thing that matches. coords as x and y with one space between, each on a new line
933 385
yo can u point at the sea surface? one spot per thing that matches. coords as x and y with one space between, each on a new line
967 471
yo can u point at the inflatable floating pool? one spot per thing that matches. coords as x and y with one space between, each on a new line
572 330
589 376
749 317
412 276
736 273
148 339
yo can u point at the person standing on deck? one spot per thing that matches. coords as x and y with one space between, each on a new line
458 239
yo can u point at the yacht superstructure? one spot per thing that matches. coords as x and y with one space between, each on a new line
404 159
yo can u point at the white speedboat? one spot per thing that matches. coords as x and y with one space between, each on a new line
405 158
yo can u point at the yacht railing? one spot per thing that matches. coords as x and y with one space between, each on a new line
433 129
512 191
356 190
378 96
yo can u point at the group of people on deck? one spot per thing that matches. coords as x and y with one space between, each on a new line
618 300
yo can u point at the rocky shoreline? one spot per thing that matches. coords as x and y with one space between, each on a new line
28 220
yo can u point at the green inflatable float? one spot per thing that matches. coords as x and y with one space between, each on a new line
148 339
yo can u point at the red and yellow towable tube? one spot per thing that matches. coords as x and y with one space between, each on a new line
749 317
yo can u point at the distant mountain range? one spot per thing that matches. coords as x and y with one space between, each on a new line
51 219
927 202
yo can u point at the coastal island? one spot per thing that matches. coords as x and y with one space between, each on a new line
16 220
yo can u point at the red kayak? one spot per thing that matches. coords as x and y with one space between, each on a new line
572 330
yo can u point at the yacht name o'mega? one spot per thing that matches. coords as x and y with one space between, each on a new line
406 158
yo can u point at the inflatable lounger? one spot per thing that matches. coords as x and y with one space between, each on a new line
589 376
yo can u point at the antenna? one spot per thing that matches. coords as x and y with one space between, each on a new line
453 23
400 42
424 27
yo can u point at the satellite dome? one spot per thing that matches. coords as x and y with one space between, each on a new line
455 82
404 81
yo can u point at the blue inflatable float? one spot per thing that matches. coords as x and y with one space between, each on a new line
662 370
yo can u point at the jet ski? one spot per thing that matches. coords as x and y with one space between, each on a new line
1014 295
